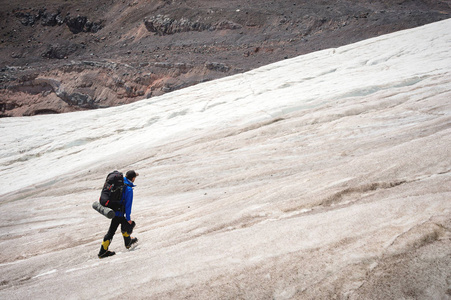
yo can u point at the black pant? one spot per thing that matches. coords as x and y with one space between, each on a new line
125 227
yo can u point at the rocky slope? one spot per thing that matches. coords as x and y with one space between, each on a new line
60 56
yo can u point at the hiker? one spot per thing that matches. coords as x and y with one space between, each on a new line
126 223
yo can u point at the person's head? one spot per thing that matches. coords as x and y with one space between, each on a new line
131 175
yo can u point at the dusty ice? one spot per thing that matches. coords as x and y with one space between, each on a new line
320 177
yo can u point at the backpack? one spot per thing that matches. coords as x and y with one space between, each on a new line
112 191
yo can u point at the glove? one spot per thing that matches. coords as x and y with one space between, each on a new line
132 226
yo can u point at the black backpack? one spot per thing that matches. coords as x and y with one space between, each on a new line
112 191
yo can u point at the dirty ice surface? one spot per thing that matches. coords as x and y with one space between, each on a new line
318 177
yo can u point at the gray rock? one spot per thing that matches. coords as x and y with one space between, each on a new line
214 66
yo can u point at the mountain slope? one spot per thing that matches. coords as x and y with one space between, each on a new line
59 56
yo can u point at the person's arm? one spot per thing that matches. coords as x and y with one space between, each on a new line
128 204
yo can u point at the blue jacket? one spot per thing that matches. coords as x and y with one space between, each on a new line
127 199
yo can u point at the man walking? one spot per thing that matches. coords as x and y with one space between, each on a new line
126 223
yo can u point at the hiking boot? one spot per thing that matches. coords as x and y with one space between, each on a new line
132 242
106 254
103 252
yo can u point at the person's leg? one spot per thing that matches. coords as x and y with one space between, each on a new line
126 230
109 237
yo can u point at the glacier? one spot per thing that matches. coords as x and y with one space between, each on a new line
319 177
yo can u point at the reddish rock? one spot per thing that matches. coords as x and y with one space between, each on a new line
105 54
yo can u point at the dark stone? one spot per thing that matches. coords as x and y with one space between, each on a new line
227 25
77 99
27 19
45 112
76 24
214 66
164 25
49 19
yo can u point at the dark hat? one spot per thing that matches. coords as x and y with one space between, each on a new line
131 174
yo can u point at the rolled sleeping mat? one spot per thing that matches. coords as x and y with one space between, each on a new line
106 211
